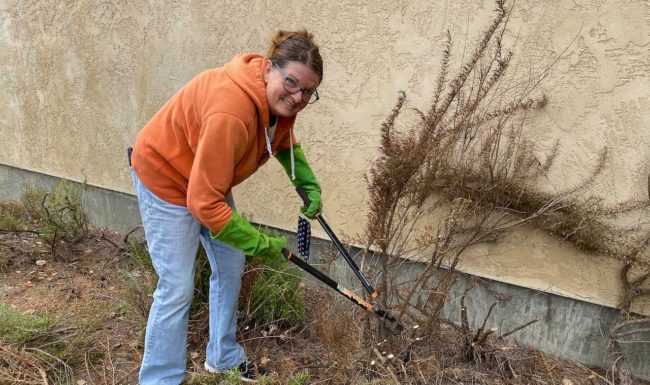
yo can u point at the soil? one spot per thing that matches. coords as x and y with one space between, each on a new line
87 287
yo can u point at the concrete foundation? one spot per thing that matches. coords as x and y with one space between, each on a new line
566 327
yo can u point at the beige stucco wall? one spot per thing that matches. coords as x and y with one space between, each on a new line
79 79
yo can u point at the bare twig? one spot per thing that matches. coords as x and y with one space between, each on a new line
128 234
518 328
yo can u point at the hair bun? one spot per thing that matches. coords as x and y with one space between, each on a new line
295 46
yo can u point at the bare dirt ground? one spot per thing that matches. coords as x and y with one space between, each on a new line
88 289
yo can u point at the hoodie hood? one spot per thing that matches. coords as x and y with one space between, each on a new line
247 71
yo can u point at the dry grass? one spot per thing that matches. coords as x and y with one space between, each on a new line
335 345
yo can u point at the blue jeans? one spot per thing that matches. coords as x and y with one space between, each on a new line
173 239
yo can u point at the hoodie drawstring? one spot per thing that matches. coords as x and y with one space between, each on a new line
293 166
268 142
268 148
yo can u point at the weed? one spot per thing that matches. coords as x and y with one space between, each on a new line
11 218
231 377
140 281
138 254
19 328
299 378
36 341
272 293
19 365
60 212
202 273
137 294
205 379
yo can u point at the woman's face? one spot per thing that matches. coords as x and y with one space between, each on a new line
282 102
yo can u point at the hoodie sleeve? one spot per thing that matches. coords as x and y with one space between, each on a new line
222 143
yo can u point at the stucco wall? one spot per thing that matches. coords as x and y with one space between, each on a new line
80 78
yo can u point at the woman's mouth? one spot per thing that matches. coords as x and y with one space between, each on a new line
289 103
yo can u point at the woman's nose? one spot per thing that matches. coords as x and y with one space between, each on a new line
297 97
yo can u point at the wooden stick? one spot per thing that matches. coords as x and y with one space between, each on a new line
518 328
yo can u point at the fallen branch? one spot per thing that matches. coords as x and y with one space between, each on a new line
126 237
518 328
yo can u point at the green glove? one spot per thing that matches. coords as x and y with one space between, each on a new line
242 235
305 178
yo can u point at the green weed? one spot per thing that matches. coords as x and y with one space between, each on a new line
272 292
299 378
230 378
138 254
20 328
141 281
10 218
60 212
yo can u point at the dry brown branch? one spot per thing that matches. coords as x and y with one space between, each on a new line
518 328
125 240
105 238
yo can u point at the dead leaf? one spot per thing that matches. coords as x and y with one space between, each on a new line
41 262
566 381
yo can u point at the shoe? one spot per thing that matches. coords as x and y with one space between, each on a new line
245 369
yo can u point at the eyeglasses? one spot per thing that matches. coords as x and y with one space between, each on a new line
291 85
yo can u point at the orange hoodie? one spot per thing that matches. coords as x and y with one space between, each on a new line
208 138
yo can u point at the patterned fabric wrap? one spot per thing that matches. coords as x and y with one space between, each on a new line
304 237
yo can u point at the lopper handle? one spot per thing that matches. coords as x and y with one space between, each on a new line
391 323
304 196
364 281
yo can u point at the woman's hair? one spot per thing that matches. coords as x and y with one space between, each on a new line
296 46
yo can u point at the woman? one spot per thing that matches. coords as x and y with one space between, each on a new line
213 134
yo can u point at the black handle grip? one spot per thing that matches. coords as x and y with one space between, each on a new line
303 195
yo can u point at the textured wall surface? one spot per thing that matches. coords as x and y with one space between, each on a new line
80 78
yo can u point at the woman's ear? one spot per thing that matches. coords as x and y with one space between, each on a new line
267 71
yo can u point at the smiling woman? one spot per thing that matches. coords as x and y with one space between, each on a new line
299 71
212 135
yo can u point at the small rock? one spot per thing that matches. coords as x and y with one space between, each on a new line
3 288
41 262
566 381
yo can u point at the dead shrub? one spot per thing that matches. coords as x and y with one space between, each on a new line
465 173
